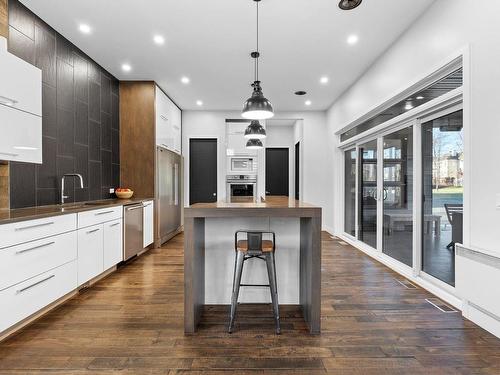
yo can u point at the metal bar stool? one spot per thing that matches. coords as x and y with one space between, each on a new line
254 247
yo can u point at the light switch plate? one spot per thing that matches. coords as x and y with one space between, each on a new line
111 190
498 201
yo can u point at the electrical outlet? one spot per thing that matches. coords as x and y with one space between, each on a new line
111 190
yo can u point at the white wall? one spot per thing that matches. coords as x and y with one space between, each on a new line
447 27
315 152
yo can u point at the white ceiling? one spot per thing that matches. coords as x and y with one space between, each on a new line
210 42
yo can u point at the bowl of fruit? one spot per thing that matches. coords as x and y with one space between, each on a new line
124 193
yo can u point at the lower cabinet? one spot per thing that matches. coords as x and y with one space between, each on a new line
26 298
147 223
113 244
90 252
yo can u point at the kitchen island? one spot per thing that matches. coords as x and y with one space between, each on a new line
209 255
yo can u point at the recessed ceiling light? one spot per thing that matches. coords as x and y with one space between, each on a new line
84 28
199 103
408 106
300 93
352 39
308 102
126 67
420 97
324 80
185 80
158 39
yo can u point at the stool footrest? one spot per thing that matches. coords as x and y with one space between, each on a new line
260 285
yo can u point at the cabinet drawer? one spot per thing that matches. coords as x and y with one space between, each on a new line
21 138
22 300
88 218
21 262
25 231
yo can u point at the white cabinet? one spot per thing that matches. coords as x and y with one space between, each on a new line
90 253
20 109
21 86
168 122
24 299
113 244
147 223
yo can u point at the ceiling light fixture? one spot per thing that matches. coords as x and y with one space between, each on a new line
185 80
254 144
257 107
349 4
199 103
408 106
158 39
300 93
324 80
255 130
352 39
126 67
84 28
420 97
308 103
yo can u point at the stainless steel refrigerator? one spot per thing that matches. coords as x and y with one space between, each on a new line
168 194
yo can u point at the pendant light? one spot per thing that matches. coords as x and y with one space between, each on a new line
254 144
349 4
257 107
255 130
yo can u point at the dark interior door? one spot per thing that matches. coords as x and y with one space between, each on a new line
297 170
202 170
277 171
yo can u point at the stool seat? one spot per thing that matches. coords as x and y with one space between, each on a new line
267 246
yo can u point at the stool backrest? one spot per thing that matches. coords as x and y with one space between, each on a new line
254 241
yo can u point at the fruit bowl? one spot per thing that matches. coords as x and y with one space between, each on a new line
124 193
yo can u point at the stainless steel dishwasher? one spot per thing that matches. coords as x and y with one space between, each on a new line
133 230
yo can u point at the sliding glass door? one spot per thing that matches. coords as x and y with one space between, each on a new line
350 191
442 186
398 195
368 193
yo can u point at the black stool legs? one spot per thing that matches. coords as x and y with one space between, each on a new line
271 273
238 270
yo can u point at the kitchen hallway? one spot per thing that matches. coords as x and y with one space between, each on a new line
131 322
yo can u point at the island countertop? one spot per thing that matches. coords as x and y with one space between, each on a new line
272 206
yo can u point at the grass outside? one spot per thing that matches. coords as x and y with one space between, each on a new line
449 190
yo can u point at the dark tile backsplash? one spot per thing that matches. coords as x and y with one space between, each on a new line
80 123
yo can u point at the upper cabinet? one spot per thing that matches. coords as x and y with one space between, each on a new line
20 108
168 122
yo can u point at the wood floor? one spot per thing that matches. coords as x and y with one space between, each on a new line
132 323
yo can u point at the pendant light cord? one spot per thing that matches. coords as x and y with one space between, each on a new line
257 59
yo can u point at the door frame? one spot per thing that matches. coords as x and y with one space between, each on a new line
187 169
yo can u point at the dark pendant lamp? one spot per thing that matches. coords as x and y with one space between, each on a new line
349 4
254 144
257 107
255 130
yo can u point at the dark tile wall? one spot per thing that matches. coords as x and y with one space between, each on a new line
80 117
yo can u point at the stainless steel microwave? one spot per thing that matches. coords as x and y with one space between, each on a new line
242 164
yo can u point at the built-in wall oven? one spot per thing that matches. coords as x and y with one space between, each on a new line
242 164
241 188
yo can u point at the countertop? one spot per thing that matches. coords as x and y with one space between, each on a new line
31 213
272 206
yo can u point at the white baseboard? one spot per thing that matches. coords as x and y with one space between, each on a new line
482 318
328 230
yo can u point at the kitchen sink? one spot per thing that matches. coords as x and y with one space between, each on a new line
83 205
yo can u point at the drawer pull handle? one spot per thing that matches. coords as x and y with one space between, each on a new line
104 213
114 225
147 204
93 230
135 208
164 118
35 226
9 154
7 101
35 247
35 284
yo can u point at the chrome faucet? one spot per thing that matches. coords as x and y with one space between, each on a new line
63 197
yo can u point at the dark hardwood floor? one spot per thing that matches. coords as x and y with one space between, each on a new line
132 323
